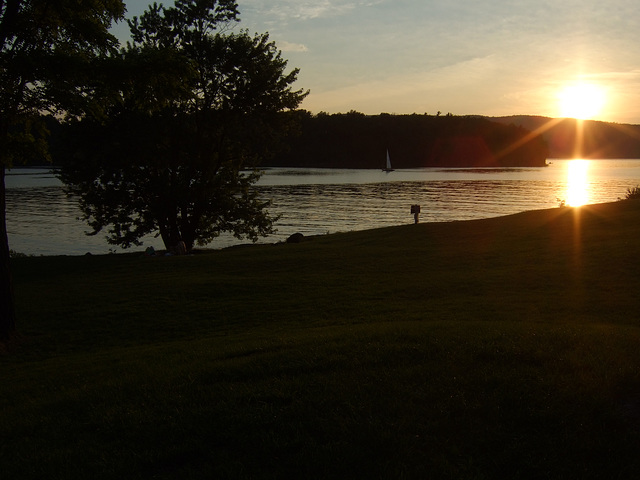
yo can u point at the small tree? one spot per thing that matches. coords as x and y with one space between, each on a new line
44 49
197 108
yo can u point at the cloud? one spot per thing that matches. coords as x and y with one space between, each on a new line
616 76
302 10
326 8
292 47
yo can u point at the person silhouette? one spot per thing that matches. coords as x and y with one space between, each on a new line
415 209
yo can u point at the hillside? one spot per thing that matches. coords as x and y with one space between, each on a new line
599 139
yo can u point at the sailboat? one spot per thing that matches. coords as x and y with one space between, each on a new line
388 169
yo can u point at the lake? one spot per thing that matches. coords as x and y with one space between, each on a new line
41 220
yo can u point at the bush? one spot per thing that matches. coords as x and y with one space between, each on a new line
633 193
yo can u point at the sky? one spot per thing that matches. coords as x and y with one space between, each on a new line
552 58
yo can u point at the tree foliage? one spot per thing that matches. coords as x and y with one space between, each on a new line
196 107
46 49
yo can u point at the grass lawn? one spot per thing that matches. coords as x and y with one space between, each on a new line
497 348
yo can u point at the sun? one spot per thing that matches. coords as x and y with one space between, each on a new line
583 101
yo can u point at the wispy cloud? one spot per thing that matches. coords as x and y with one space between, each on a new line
292 47
288 10
619 76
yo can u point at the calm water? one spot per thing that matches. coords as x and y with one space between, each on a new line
41 220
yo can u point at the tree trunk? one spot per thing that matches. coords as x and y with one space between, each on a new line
169 233
7 311
188 232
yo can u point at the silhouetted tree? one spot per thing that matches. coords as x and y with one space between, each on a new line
196 109
45 47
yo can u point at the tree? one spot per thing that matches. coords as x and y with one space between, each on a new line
43 45
198 107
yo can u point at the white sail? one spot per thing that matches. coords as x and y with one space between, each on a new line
388 169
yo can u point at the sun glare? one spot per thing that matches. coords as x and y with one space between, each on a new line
582 101
577 184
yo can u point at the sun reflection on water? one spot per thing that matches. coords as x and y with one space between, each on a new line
577 184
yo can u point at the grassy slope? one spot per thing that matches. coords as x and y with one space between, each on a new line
505 347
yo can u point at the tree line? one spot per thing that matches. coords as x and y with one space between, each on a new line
355 140
571 138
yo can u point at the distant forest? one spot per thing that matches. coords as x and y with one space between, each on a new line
355 140
569 138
